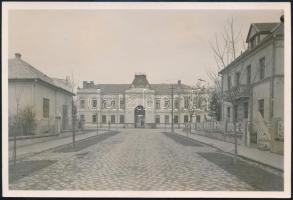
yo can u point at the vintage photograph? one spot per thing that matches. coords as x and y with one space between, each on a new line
146 99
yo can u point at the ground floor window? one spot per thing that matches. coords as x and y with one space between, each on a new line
261 104
104 119
46 108
82 118
185 118
197 118
176 119
94 118
157 119
236 113
166 119
121 119
228 113
113 119
245 105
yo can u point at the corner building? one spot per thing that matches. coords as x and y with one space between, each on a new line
136 105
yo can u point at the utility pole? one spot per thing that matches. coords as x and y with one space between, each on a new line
172 112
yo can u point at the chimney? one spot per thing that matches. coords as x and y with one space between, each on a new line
84 83
17 55
282 18
179 82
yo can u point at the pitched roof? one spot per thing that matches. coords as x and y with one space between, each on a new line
158 88
19 69
262 28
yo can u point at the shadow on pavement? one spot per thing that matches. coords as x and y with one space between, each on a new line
25 168
256 177
82 144
182 140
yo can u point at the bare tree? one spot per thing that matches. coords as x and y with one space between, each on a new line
18 94
73 108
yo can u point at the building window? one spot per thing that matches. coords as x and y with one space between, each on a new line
236 113
46 106
237 79
197 118
229 82
261 103
113 104
82 104
122 104
248 74
158 104
104 119
121 119
94 118
82 118
157 119
166 103
176 103
176 119
166 119
113 119
104 103
186 102
262 68
228 112
94 103
245 110
185 118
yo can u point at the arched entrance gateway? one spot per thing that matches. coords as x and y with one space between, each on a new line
139 117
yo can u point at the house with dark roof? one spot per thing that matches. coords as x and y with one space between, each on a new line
253 87
50 99
139 104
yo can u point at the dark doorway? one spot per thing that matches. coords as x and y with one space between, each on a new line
139 117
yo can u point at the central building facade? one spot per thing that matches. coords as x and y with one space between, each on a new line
136 105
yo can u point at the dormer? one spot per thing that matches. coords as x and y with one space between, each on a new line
257 32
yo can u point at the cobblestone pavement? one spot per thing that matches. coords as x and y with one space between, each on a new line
134 159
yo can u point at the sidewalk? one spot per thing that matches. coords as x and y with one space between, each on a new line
264 157
31 148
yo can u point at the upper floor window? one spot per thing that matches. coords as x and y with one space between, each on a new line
158 104
237 79
104 103
261 68
235 113
122 104
46 106
186 102
113 103
176 102
229 82
228 112
82 103
94 103
248 74
261 104
82 118
166 103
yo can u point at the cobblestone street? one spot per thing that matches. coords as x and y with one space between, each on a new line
139 159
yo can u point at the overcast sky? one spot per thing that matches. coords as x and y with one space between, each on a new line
110 46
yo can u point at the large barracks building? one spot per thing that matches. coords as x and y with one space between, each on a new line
136 105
